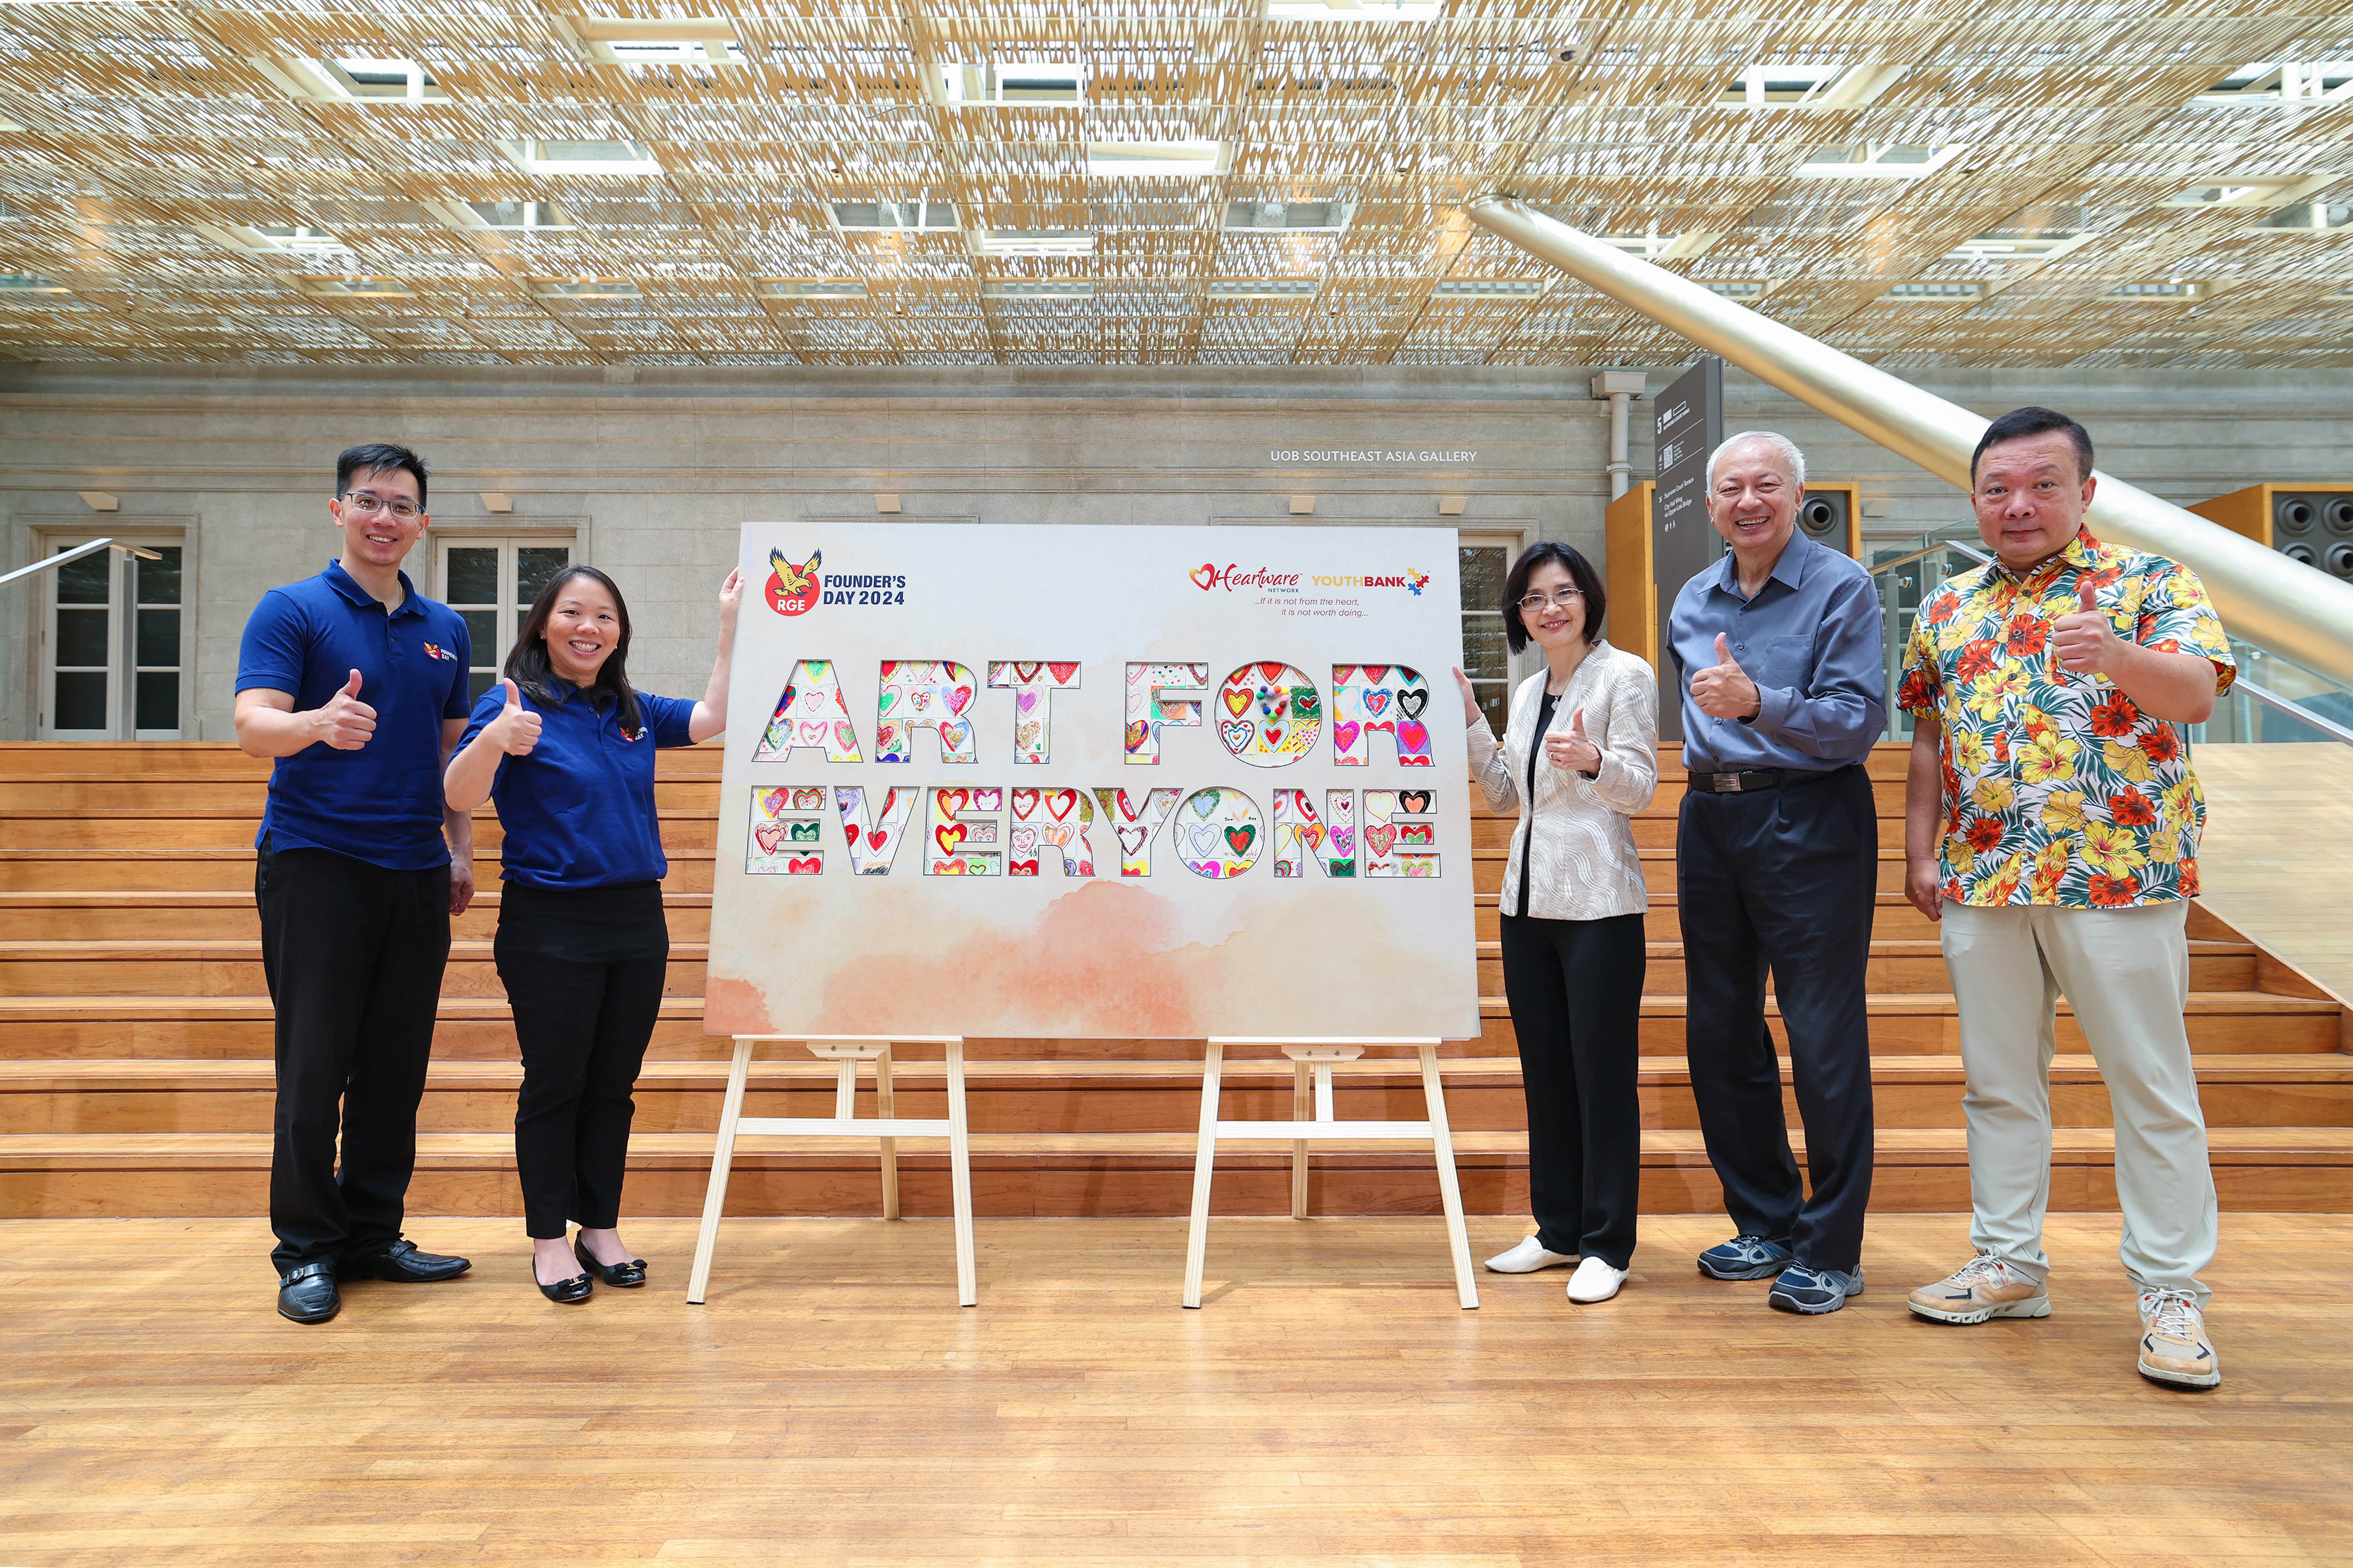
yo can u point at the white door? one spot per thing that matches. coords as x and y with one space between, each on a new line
1486 561
113 645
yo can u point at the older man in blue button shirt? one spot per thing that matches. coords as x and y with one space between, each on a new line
1779 652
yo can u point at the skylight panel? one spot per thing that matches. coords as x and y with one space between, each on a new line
1038 288
2284 82
1263 288
353 287
890 217
1033 242
813 288
1010 83
2308 217
2033 240
25 283
1488 288
2174 291
1764 85
570 157
1735 289
585 289
657 42
519 215
1876 161
1351 10
2230 193
367 78
295 237
1288 218
1154 160
1934 293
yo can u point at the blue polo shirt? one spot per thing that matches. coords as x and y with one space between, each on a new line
578 811
381 804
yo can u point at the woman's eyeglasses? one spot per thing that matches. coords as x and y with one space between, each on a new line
367 505
1532 602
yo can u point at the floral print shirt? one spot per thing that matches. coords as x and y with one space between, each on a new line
2058 789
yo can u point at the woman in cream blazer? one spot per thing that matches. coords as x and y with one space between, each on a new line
1578 758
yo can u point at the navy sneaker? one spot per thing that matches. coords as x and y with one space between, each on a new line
1813 1291
1746 1258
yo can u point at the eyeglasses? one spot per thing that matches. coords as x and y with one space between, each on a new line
366 505
1531 602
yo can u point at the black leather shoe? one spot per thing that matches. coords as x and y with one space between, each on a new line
308 1294
623 1276
566 1292
401 1263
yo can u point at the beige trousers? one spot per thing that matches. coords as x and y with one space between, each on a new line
2126 974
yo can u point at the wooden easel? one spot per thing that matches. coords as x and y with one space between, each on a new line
846 1051
1311 1062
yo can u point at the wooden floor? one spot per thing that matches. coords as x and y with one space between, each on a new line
1330 1406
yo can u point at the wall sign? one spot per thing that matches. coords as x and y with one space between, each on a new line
1105 782
1683 541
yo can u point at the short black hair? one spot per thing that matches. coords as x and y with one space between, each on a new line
2033 421
376 457
1581 572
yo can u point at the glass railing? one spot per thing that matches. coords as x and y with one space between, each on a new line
2271 699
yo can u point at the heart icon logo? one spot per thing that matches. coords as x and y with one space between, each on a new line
1205 576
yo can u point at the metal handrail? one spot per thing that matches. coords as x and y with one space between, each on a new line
76 554
2261 694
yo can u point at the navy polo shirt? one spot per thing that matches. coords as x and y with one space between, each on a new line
578 811
381 804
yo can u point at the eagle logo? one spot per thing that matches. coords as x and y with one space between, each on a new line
792 590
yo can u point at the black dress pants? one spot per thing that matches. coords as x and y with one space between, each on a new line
1575 993
353 954
584 972
1783 880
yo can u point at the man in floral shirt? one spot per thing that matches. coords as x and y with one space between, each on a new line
2052 826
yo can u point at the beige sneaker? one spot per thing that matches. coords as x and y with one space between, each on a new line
2173 1348
1985 1287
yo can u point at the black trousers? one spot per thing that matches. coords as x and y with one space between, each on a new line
584 1013
1783 879
353 954
1576 993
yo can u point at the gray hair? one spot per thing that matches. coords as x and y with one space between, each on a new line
1779 443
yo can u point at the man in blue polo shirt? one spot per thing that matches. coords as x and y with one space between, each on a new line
1778 647
357 684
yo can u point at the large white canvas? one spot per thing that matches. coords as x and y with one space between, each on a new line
1173 954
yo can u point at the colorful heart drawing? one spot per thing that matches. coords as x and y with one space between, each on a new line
1271 673
812 866
1273 734
1373 673
770 836
785 704
1414 801
804 833
1413 739
1063 673
1379 837
954 734
772 801
890 668
1138 732
1201 840
920 698
812 733
1237 699
1311 834
1025 801
852 832
1025 841
1344 840
949 835
1241 836
1026 742
1131 839
960 697
1205 576
1022 867
847 736
989 800
1305 702
1025 701
1376 701
1235 733
1415 833
888 701
1025 673
953 801
1206 801
1344 736
808 798
1061 802
949 867
1412 699
875 835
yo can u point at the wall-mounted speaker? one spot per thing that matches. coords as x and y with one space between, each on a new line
1831 514
2312 523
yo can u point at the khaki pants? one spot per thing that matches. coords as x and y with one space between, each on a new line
2126 972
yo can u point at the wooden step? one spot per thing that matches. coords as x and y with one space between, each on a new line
480 1028
57 1176
1483 1093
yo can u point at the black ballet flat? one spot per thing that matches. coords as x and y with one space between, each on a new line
621 1276
567 1292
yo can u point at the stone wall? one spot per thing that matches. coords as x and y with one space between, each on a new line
656 469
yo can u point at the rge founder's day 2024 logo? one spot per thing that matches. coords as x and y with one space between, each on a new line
797 590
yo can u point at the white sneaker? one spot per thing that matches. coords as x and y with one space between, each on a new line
1528 1257
1595 1281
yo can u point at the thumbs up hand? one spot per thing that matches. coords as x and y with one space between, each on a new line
345 722
2085 641
516 729
1724 690
1570 749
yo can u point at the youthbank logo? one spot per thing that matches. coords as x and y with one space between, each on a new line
1411 580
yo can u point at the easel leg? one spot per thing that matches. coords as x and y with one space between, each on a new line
1303 1109
723 1156
1449 1186
960 1180
883 1103
1197 1236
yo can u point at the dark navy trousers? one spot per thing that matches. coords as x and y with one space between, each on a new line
1782 880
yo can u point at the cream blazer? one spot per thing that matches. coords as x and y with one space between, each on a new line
1578 830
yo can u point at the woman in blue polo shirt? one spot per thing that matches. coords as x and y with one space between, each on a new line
565 747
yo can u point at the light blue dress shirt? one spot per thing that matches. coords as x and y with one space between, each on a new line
1812 642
